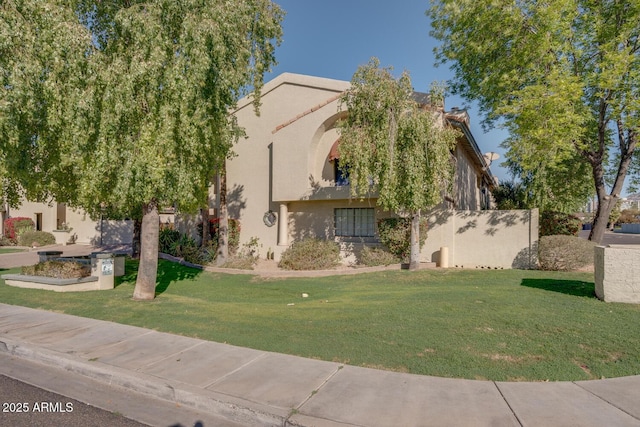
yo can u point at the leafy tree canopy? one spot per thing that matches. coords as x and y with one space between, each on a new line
123 105
391 145
117 103
564 75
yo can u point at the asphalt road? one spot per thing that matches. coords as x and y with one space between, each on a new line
24 405
26 382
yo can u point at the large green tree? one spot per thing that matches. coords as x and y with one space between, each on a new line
393 146
563 75
122 106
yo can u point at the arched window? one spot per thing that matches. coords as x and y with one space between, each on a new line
341 177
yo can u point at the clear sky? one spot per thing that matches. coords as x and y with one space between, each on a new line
331 38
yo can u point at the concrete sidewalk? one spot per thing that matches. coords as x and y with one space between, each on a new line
257 388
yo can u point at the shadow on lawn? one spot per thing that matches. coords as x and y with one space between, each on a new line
576 288
168 272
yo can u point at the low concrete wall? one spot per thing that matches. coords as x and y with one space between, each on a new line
95 232
630 228
90 283
617 273
483 239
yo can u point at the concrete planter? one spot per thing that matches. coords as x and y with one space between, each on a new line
104 267
90 283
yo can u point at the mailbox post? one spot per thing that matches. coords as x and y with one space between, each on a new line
103 267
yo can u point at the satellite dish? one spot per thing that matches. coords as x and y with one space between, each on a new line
491 156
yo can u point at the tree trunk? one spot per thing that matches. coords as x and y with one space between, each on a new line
627 140
601 218
148 271
135 242
414 263
223 224
205 225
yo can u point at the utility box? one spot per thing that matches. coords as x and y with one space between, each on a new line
118 262
103 267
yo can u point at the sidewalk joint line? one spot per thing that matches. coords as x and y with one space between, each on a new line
255 359
117 342
605 400
320 387
140 369
508 404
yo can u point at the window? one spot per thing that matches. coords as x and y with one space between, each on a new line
355 222
342 177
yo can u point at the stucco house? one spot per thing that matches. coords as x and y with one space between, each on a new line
284 184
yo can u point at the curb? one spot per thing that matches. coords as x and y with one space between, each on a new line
228 407
178 260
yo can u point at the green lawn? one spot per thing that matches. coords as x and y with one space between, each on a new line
10 250
509 325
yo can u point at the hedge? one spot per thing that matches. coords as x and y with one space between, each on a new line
395 235
14 226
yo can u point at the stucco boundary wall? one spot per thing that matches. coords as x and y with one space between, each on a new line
84 229
617 273
483 239
630 228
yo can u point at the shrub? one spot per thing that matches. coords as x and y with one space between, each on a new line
510 195
184 247
562 253
168 238
58 270
240 262
194 255
234 234
377 256
395 235
558 223
248 256
36 238
629 216
13 227
180 245
310 254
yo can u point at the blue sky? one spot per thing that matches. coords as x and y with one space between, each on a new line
331 38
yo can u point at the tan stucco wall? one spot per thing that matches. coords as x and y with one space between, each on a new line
467 179
283 166
489 239
316 219
467 193
300 149
84 229
31 209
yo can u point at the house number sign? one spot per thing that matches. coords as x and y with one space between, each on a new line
107 267
269 219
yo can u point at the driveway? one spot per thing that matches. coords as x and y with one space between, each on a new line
611 238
